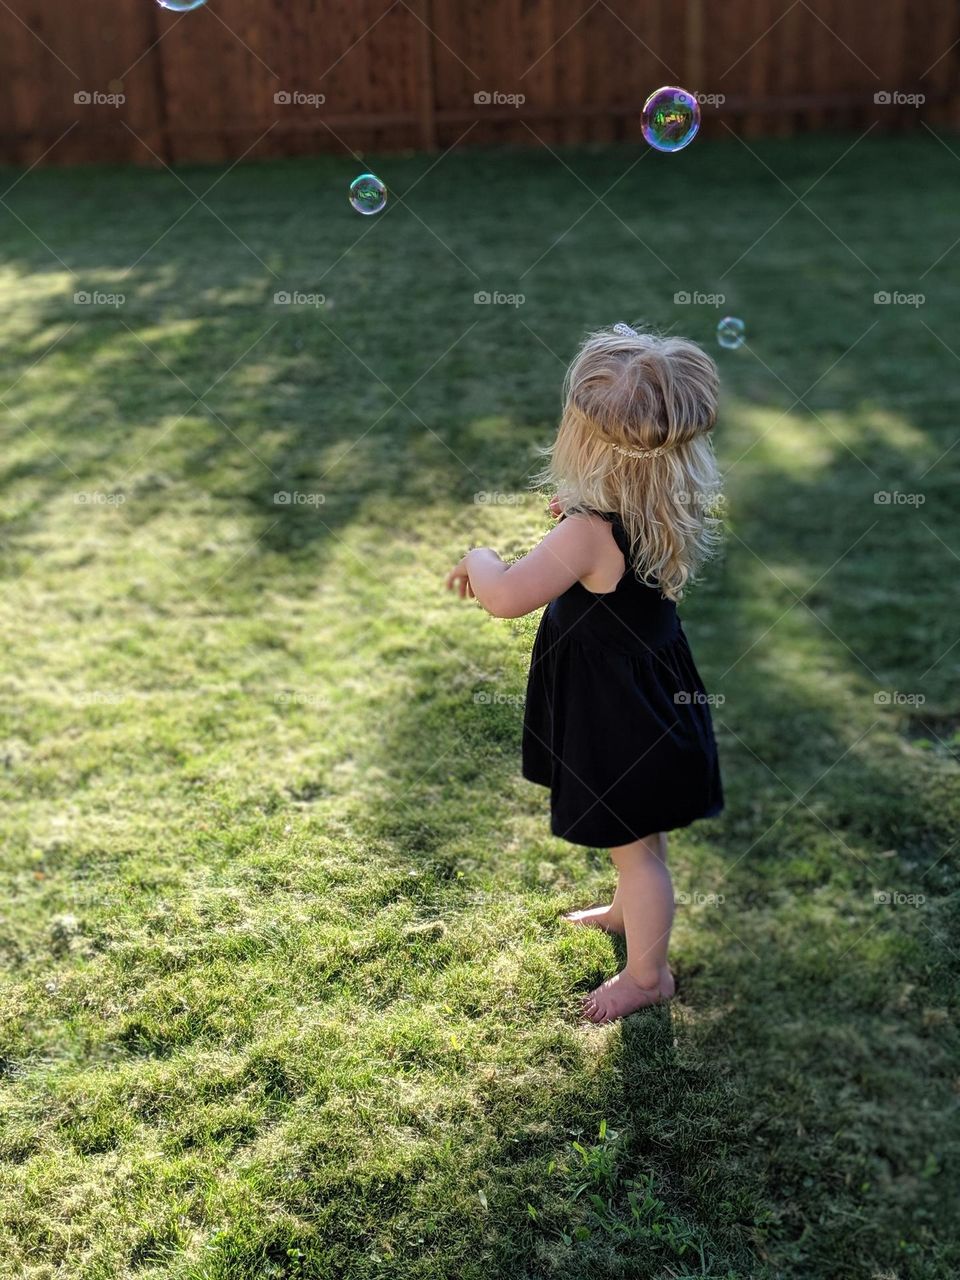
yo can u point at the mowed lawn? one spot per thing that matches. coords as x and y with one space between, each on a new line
285 991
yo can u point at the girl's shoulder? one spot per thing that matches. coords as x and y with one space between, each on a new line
613 518
608 517
597 519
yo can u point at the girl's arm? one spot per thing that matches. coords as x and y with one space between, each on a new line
568 553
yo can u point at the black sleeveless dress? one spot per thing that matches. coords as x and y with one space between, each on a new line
616 720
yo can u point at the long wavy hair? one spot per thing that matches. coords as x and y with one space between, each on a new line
636 391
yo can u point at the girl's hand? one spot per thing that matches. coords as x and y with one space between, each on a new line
554 508
459 579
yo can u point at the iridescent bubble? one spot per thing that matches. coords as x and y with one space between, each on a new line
671 118
180 6
368 194
730 332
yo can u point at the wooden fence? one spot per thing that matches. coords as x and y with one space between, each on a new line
128 81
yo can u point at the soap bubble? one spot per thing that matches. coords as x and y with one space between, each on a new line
368 194
180 6
730 332
671 118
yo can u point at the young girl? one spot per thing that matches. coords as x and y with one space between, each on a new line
617 722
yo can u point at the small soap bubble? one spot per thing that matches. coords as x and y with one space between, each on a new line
730 333
180 6
670 119
368 194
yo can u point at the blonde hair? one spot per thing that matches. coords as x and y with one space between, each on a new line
634 438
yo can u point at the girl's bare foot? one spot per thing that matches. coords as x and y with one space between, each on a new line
623 994
597 918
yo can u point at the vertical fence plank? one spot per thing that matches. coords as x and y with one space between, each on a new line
427 84
157 81
694 47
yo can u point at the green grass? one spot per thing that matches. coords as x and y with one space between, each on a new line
285 992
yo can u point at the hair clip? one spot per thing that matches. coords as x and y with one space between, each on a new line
642 453
625 331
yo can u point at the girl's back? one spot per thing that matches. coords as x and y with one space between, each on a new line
635 616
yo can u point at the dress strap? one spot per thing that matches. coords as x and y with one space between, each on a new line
619 532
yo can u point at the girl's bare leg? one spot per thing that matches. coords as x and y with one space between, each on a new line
610 917
644 903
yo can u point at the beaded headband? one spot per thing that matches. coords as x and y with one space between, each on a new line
644 453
